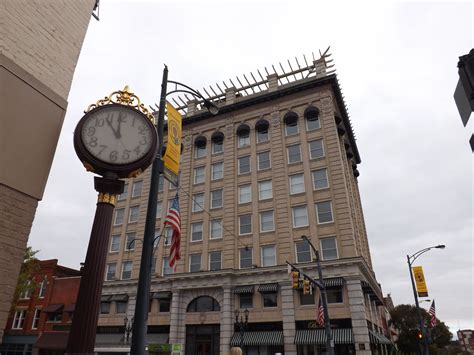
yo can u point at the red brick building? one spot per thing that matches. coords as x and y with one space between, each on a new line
40 321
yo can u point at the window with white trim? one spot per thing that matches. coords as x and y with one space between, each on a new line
127 270
320 179
245 193
194 262
300 216
316 149
245 258
111 271
26 294
167 269
123 195
200 147
291 124
243 136
159 206
161 183
217 144
245 224
312 119
294 153
324 212
216 198
133 214
262 132
19 319
196 232
119 214
303 252
36 318
268 255
296 184
329 248
115 243
215 260
137 188
215 229
43 287
266 221
130 241
244 165
217 171
199 175
263 161
198 202
265 190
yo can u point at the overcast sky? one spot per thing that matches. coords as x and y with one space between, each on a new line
396 63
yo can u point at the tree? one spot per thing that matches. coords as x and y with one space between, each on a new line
404 317
26 283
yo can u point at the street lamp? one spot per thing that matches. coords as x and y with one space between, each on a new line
410 259
241 325
143 289
128 324
327 324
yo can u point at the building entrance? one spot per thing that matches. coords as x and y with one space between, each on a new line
203 339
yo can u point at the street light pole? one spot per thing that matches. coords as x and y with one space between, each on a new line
327 324
242 324
424 348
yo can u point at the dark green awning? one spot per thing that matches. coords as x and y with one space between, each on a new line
334 282
243 289
377 338
258 338
162 295
121 297
268 288
318 336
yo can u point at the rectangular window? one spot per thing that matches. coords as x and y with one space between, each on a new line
246 300
320 179
119 213
196 232
159 206
334 295
263 161
307 299
36 318
165 305
130 241
133 214
43 286
244 165
268 255
265 190
262 134
123 195
266 221
269 299
121 307
245 258
168 234
215 260
19 319
316 149
199 175
216 229
244 138
300 216
54 317
27 291
195 263
127 270
245 193
303 252
245 224
161 183
329 248
111 270
216 198
312 122
296 184
104 307
198 202
153 266
167 270
217 171
324 212
115 243
137 188
217 146
291 126
294 153
200 149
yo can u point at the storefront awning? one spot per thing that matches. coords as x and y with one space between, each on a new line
334 282
119 298
53 308
105 298
258 338
318 336
268 288
70 308
52 341
377 338
243 289
162 295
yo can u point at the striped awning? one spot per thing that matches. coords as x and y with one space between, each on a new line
243 289
318 336
268 288
334 282
258 338
377 338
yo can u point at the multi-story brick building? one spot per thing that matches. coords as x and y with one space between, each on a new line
40 43
40 319
279 161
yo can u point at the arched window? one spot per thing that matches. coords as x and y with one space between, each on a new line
203 304
261 129
243 134
291 123
217 143
200 147
311 115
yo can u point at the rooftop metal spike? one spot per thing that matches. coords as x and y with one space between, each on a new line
281 66
313 55
307 65
289 63
206 92
187 98
223 92
213 90
267 71
251 86
225 84
233 84
176 102
241 86
258 71
184 102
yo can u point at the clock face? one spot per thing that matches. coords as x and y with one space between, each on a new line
117 135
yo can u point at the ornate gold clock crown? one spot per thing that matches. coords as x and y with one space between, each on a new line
123 97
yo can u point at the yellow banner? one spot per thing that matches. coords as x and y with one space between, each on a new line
173 146
420 281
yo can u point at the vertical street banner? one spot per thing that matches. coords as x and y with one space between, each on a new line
173 146
420 281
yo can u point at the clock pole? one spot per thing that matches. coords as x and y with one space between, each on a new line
84 324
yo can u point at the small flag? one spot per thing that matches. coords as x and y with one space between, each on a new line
320 314
432 313
173 220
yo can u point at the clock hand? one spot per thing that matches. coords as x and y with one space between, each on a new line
108 120
120 120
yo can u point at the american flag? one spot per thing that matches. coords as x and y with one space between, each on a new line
432 313
320 314
173 220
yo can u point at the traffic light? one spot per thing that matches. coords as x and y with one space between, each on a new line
295 279
306 287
